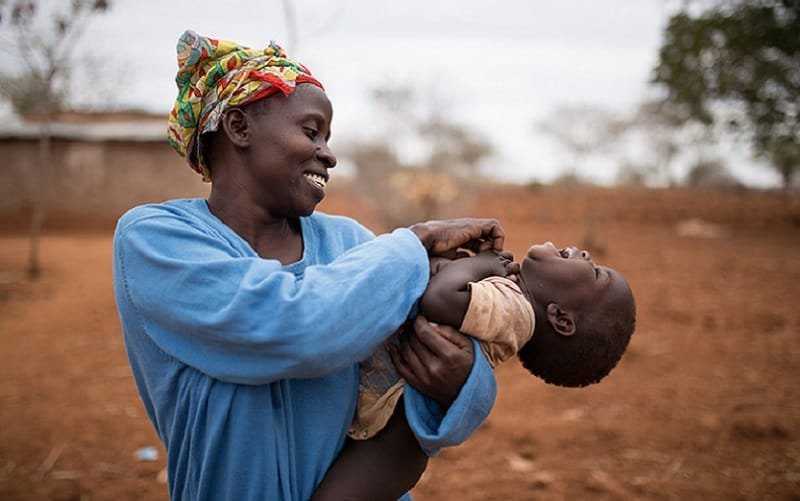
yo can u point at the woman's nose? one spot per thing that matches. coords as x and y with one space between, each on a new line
586 255
325 154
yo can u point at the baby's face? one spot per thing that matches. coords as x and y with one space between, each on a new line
568 277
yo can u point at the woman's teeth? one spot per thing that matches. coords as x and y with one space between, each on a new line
316 180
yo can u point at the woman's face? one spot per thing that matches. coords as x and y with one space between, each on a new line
288 154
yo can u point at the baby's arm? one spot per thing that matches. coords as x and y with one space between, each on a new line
446 299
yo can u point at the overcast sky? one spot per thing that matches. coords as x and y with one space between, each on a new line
498 66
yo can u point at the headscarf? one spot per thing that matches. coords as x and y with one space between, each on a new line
214 75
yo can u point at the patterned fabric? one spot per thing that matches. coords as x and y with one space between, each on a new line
380 387
214 75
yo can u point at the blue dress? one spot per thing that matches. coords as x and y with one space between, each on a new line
248 369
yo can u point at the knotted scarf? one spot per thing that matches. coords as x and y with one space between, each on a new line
214 75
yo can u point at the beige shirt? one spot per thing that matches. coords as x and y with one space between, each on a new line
498 316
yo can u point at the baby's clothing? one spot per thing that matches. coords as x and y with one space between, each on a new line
498 316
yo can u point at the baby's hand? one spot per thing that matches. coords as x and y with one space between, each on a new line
499 263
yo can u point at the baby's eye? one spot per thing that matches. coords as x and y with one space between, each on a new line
310 132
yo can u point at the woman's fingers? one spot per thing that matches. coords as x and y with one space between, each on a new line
439 339
441 237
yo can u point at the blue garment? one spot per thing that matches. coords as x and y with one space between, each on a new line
248 368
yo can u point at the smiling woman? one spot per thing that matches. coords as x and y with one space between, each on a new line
245 315
275 157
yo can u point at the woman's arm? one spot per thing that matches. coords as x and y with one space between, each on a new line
247 320
384 467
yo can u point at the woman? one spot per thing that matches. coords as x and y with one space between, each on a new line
245 315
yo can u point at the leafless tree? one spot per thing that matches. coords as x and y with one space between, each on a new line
42 45
662 141
291 26
581 130
423 161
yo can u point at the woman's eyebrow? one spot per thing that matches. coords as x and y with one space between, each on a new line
313 115
316 116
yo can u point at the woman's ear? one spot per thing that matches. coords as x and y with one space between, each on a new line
236 127
561 320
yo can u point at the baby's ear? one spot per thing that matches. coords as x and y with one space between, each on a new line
561 320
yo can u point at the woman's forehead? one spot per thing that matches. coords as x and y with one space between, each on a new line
306 99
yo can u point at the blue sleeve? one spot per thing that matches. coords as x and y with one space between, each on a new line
244 319
433 428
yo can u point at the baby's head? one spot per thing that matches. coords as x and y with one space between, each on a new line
585 315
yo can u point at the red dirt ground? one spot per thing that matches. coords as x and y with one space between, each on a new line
704 405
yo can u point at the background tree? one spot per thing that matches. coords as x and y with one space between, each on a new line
421 163
738 62
711 173
42 45
654 139
580 130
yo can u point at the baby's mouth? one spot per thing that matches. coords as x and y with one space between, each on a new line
567 252
316 180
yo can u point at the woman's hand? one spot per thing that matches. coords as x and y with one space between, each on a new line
434 359
442 238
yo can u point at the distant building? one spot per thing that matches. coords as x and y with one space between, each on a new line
101 163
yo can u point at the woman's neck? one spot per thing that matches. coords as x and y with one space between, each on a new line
271 237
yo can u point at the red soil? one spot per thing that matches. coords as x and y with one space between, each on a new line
704 404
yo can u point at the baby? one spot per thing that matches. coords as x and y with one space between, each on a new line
568 320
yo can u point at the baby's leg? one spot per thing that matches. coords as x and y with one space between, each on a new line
384 467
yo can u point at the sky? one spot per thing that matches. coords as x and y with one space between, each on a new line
498 70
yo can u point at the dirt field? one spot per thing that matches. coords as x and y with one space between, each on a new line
704 405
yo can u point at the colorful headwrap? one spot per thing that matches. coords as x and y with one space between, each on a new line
214 75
